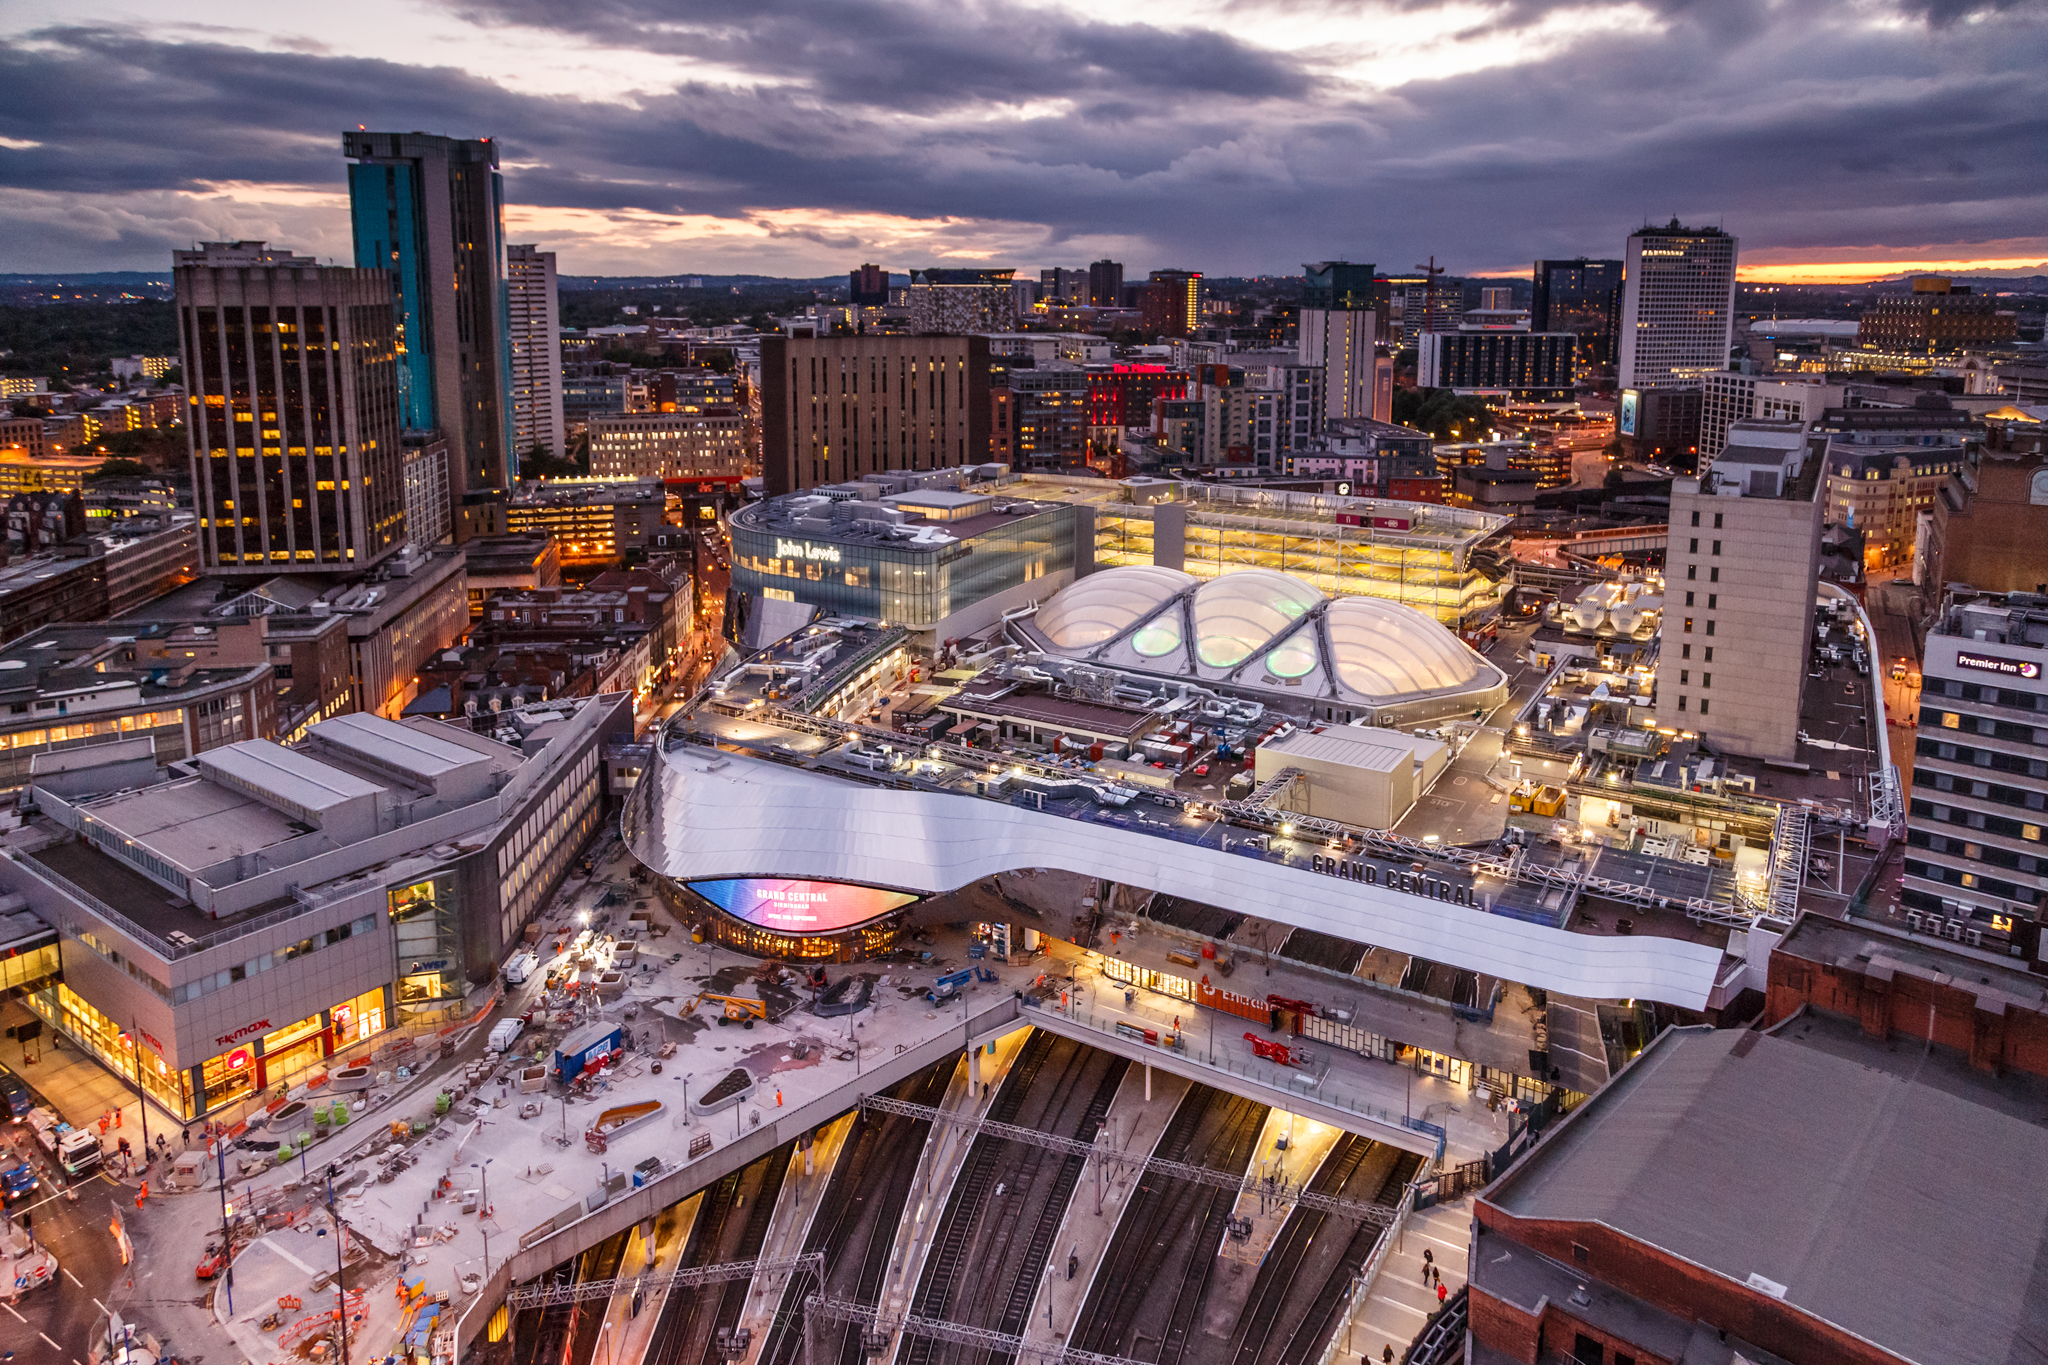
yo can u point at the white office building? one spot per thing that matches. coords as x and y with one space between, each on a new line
1729 397
1677 306
535 327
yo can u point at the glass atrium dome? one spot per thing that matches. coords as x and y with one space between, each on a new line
1105 604
1383 649
1240 611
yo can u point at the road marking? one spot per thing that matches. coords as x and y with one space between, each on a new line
10 1308
102 1307
71 1277
46 1337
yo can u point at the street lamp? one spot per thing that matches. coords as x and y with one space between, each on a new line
340 1290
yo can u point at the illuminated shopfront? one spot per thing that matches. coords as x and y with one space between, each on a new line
428 918
1166 983
119 1049
357 1020
290 1050
783 917
230 1076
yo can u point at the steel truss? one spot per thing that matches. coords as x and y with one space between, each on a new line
811 1263
959 1333
1358 1210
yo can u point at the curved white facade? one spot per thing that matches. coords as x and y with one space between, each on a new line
701 813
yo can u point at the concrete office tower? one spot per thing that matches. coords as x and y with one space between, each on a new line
1106 284
835 408
1339 330
431 211
534 326
1581 297
1974 868
1730 397
291 372
1677 306
1741 562
867 287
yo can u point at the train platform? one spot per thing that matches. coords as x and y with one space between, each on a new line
803 1192
972 1091
1289 1151
1400 1303
1144 1105
630 1333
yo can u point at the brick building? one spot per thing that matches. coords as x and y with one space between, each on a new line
1935 319
1788 1195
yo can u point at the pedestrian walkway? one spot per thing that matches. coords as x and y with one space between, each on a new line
1400 1302
672 1228
77 1086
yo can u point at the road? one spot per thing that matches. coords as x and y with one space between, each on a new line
64 1316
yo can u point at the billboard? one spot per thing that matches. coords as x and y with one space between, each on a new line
1625 420
788 906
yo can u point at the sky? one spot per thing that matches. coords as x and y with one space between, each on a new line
1838 139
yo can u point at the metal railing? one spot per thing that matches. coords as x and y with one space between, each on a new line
1361 1287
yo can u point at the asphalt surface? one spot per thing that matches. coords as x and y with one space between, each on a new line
62 1318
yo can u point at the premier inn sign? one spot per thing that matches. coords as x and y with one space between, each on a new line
1992 663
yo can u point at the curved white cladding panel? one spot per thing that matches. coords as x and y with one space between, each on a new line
750 818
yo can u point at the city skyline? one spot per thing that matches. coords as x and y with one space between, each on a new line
1242 140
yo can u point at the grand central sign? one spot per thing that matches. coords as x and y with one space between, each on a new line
1395 879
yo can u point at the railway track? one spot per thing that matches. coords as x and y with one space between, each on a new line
855 1225
566 1333
1169 1235
1319 1318
1006 1208
736 1211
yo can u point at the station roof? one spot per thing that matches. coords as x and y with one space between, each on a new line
1814 1156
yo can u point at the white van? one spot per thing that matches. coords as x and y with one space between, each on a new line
504 1034
520 968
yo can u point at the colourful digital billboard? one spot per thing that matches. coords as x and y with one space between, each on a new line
798 907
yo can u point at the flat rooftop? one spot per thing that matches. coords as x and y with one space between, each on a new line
193 822
135 897
1822 1160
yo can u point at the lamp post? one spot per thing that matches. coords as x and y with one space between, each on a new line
340 1290
220 1151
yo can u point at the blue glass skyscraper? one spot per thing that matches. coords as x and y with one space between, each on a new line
430 210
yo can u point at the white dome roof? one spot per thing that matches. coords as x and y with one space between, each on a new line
1104 604
1384 649
1260 627
1240 611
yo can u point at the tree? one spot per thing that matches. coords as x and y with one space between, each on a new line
118 468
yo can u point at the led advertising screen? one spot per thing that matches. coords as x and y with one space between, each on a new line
797 907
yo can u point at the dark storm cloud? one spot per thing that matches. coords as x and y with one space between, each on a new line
1780 121
922 57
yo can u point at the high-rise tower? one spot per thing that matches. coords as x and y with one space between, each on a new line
291 380
534 326
1677 306
431 211
1340 331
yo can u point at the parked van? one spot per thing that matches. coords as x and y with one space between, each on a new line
19 1100
519 968
504 1034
